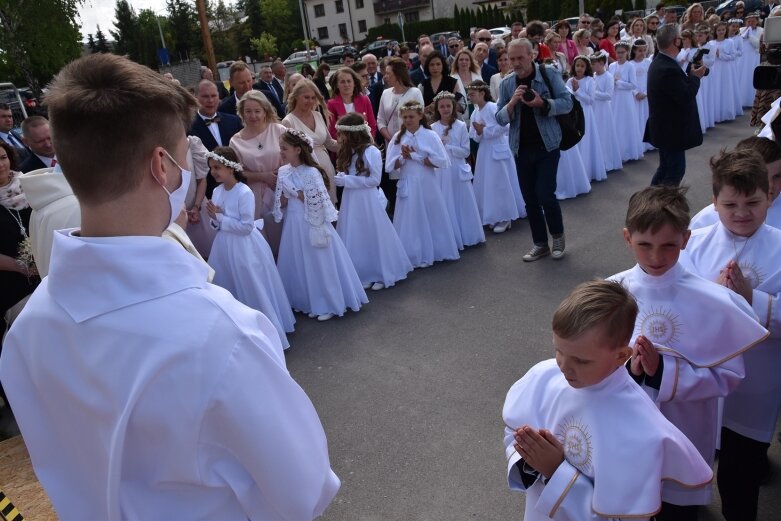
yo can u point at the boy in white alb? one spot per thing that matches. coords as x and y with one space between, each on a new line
689 335
581 438
771 154
742 253
142 391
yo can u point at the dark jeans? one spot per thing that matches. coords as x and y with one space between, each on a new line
672 166
742 463
537 177
672 512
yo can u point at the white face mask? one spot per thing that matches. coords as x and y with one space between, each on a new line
177 197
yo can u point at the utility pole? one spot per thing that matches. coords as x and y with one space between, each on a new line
207 37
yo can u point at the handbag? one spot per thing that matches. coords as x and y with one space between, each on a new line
573 123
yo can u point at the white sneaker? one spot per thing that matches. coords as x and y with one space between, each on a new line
367 285
325 316
378 286
312 315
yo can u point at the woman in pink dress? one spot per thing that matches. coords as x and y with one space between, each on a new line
257 146
349 98
302 114
567 45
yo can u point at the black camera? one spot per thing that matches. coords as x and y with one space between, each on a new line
768 77
697 60
528 95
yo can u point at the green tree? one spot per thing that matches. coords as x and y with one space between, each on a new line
38 37
265 45
125 31
253 27
91 44
149 37
224 22
184 29
101 45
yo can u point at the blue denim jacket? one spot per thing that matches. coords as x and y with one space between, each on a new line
560 103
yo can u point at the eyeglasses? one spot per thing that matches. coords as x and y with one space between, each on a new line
454 46
484 39
585 22
653 23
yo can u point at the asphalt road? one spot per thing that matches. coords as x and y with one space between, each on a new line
410 389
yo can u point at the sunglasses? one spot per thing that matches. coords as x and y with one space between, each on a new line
484 39
454 46
585 22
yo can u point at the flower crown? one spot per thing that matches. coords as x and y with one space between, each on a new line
445 94
413 106
479 86
303 137
225 161
600 55
355 128
735 21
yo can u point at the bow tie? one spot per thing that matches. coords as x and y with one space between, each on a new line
209 121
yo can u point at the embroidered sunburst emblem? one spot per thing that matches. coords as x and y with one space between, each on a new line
575 437
660 326
752 273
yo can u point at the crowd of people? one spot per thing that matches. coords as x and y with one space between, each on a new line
297 193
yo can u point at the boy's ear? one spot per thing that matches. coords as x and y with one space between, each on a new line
623 354
686 235
627 237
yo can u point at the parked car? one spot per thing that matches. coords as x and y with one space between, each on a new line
500 32
679 10
334 55
378 47
297 58
729 5
446 34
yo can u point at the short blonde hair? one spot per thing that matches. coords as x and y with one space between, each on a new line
598 303
100 108
260 98
292 98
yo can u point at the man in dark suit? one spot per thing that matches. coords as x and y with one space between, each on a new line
376 83
481 56
6 136
214 128
417 75
38 138
673 124
484 36
280 73
267 87
241 82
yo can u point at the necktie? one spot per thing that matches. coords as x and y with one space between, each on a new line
11 140
209 121
54 163
373 80
273 91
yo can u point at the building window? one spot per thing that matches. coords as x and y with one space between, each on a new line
412 16
386 21
343 30
339 6
361 26
359 4
319 10
322 33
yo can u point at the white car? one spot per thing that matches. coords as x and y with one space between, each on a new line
500 32
300 57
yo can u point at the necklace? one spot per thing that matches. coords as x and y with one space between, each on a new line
735 248
18 220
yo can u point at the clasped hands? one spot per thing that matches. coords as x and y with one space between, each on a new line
212 209
732 277
540 449
645 357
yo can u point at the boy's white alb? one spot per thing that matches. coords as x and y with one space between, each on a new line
701 329
751 410
618 447
143 392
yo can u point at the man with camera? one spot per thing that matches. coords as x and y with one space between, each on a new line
673 121
530 107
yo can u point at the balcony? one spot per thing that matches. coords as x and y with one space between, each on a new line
395 6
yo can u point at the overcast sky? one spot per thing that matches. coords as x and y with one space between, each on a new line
101 12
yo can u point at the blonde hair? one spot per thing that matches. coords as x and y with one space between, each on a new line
305 83
260 98
598 303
